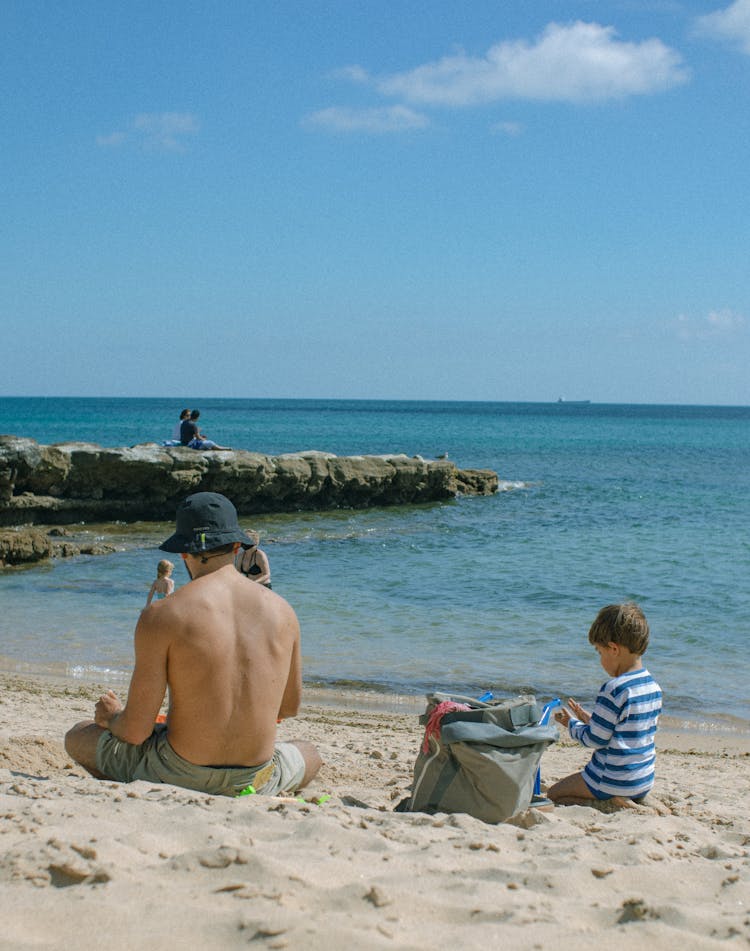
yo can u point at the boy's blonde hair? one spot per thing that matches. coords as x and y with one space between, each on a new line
164 567
623 624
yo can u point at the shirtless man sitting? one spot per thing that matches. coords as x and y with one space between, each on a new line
229 652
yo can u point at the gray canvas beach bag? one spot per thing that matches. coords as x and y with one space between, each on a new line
482 761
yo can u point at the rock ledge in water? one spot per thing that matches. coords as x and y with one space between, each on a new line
81 482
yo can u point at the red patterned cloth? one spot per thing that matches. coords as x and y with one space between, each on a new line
436 715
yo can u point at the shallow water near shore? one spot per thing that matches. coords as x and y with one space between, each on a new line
599 504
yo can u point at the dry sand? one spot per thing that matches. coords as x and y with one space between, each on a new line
86 864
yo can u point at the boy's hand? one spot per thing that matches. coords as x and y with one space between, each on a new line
563 715
578 712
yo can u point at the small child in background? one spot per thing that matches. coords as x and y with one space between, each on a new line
163 585
622 725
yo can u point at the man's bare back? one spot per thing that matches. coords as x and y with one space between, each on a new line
233 667
228 651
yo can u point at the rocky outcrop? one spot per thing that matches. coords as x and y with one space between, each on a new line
26 546
21 547
82 482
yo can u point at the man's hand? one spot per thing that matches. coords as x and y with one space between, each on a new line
107 707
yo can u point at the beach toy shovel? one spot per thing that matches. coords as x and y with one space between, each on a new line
543 721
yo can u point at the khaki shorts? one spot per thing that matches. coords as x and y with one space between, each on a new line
155 761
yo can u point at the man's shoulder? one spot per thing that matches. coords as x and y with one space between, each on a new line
266 599
267 604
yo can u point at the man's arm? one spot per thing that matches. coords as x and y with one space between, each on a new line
292 696
265 569
135 722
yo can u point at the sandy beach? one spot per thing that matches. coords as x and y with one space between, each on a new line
91 864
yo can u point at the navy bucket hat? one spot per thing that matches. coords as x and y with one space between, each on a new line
205 520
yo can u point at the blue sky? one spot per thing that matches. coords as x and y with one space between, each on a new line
490 200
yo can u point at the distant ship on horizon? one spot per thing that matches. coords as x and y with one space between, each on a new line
560 399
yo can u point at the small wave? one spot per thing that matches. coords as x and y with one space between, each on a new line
506 485
715 723
90 672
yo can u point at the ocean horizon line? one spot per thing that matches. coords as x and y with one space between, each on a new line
558 401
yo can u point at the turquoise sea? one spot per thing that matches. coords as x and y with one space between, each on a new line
599 503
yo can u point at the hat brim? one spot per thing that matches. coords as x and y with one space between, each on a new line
182 544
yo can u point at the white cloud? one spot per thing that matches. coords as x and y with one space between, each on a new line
724 321
731 23
161 131
355 74
376 121
716 324
511 129
112 140
164 130
577 62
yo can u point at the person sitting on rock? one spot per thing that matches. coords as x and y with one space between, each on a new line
175 440
191 436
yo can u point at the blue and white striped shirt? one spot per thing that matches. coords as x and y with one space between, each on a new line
622 729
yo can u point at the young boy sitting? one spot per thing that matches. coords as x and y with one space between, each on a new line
622 725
